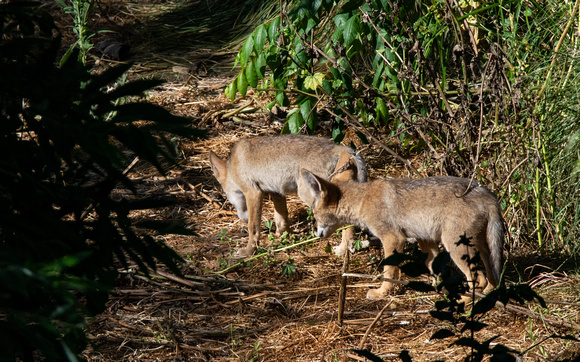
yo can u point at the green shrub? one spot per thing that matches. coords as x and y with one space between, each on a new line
477 89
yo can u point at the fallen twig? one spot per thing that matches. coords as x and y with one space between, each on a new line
364 339
343 282
270 251
273 251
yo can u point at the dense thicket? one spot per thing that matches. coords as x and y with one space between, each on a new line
478 89
66 135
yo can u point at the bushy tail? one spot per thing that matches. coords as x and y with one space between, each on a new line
495 240
361 168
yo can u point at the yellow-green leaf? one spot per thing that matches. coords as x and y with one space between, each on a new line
314 81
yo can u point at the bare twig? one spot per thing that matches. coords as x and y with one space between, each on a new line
364 339
343 282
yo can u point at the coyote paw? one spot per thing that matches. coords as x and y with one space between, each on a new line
376 294
339 250
245 252
382 292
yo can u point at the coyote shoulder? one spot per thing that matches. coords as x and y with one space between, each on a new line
262 166
433 210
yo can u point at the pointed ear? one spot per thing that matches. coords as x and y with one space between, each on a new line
218 166
315 185
345 168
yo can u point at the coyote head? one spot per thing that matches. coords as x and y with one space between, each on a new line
233 191
326 197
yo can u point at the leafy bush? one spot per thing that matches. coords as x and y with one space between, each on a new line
66 135
479 89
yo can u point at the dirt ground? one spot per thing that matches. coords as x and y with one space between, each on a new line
283 306
259 313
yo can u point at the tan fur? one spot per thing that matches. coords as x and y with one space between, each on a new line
431 210
345 171
271 166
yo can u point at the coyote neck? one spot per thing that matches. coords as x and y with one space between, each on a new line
351 202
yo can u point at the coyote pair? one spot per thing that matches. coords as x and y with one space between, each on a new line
431 210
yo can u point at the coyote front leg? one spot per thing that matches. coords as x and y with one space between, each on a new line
280 213
392 242
254 202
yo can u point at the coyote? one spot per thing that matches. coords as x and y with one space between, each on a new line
431 210
271 166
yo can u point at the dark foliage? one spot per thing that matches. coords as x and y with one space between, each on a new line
66 135
451 311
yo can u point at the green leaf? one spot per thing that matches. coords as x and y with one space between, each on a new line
242 84
270 105
274 30
246 51
313 81
308 113
340 22
327 86
337 135
328 249
282 99
260 37
260 65
251 74
378 73
484 305
311 24
233 89
295 121
351 31
382 111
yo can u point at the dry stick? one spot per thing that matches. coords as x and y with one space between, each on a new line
513 308
362 129
475 163
557 49
264 254
364 339
467 27
237 110
205 196
343 282
273 252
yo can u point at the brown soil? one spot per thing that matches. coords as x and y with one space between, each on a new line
256 312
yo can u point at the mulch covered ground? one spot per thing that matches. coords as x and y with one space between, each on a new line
258 312
283 306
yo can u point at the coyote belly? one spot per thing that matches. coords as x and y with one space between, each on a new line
433 210
271 166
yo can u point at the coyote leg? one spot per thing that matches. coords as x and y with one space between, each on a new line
254 201
391 242
280 213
